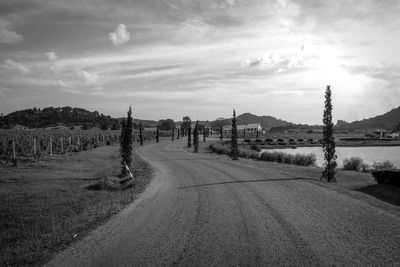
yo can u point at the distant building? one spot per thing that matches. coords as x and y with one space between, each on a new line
382 133
249 128
253 128
395 135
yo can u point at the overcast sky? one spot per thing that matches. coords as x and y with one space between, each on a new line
170 58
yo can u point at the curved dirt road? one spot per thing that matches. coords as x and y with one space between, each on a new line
205 210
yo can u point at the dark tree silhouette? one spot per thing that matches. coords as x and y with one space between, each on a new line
328 141
141 134
126 143
173 134
220 135
204 135
234 145
158 135
196 137
189 144
178 130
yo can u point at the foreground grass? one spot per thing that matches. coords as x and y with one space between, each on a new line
44 206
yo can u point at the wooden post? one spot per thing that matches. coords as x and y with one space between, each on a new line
62 145
51 146
13 147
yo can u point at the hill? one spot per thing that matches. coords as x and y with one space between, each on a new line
388 121
61 116
266 122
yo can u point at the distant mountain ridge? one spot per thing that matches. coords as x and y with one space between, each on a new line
387 121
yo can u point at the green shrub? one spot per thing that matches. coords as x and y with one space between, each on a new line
383 165
353 164
255 147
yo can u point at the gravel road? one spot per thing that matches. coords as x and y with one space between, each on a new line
205 210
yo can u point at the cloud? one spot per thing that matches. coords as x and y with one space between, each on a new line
88 77
51 56
12 65
120 35
277 63
7 36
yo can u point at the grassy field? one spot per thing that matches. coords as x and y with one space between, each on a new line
45 206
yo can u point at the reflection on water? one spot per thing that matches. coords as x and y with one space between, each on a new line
368 154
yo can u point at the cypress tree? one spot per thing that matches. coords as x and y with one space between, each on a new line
157 135
126 143
196 137
173 134
234 145
141 134
328 142
220 136
189 145
178 130
204 135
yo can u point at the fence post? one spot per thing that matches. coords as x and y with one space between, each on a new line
13 147
51 146
34 147
62 145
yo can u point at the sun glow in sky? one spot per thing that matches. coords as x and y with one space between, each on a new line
170 58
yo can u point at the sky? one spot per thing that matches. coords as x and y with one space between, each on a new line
202 58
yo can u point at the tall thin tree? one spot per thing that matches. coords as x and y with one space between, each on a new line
141 134
220 135
234 145
189 144
126 143
178 132
158 135
204 134
328 141
173 134
196 137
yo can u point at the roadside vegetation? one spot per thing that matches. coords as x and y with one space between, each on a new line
44 206
271 156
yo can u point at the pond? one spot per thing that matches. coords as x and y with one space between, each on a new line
368 154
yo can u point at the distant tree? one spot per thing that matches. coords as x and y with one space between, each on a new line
126 143
157 135
85 126
234 145
189 144
104 126
204 135
328 141
141 134
186 124
114 126
166 125
177 137
196 137
220 133
173 134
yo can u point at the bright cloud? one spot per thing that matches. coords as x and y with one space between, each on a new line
89 77
51 56
120 35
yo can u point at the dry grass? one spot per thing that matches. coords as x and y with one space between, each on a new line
45 206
